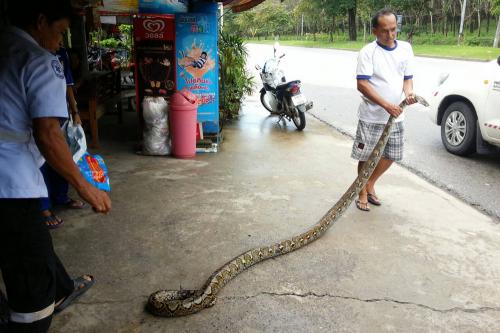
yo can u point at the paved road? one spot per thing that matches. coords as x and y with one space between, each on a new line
328 78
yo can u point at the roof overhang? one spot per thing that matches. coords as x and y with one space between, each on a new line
238 6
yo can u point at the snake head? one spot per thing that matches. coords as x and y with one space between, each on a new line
171 303
176 303
422 101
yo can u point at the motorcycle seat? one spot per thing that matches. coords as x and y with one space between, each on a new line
287 84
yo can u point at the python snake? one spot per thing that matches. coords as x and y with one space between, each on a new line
175 303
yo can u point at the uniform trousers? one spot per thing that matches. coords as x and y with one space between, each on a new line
34 276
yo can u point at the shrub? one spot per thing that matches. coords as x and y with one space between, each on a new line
478 41
235 82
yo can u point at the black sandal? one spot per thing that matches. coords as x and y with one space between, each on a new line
372 198
77 292
52 221
365 208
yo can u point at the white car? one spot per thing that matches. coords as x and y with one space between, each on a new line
467 107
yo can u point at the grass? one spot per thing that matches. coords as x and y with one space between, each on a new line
443 51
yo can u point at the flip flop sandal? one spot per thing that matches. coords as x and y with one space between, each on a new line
364 208
77 292
73 204
49 221
373 199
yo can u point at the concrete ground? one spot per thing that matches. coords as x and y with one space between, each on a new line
422 262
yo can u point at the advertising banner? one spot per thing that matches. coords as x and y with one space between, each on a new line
120 6
163 6
155 55
197 63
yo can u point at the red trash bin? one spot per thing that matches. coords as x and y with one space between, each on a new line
183 113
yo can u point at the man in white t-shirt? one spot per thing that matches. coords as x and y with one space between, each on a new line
383 74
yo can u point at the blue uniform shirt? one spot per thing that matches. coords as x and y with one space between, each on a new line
32 85
63 57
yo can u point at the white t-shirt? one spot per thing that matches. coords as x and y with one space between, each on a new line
386 69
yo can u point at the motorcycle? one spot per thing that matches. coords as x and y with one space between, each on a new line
280 97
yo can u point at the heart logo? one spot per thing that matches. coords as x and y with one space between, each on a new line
153 25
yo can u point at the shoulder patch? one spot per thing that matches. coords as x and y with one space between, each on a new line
58 70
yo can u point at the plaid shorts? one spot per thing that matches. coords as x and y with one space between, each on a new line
367 136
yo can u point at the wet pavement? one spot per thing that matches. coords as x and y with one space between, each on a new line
422 262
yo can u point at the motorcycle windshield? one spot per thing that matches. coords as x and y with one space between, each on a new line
272 73
270 66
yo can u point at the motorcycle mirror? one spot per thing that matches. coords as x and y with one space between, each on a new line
498 60
257 67
276 47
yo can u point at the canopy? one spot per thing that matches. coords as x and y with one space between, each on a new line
241 5
131 5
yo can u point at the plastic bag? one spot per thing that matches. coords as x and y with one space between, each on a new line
95 171
156 134
75 136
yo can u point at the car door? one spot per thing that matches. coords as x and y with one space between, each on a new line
491 120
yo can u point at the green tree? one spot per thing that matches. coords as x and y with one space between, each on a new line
311 14
247 22
495 10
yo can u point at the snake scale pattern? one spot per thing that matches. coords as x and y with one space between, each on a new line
175 303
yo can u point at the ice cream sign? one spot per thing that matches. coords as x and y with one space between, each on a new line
197 61
157 28
154 29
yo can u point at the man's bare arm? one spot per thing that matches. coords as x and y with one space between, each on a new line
367 90
53 146
408 91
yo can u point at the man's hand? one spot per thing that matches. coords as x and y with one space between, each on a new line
410 98
54 148
99 200
393 110
76 119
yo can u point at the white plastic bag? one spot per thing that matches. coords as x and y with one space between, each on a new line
156 134
75 136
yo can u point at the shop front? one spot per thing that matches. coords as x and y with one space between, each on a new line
174 48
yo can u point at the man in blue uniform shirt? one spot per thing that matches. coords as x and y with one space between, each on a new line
32 99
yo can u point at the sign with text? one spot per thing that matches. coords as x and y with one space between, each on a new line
197 63
120 6
154 28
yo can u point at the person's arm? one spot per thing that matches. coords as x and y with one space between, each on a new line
408 79
408 91
53 146
70 96
367 90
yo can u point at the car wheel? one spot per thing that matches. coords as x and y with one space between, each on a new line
458 129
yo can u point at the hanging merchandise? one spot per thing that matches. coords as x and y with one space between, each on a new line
156 135
163 6
95 171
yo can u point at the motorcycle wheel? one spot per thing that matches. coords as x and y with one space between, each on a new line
265 103
299 119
